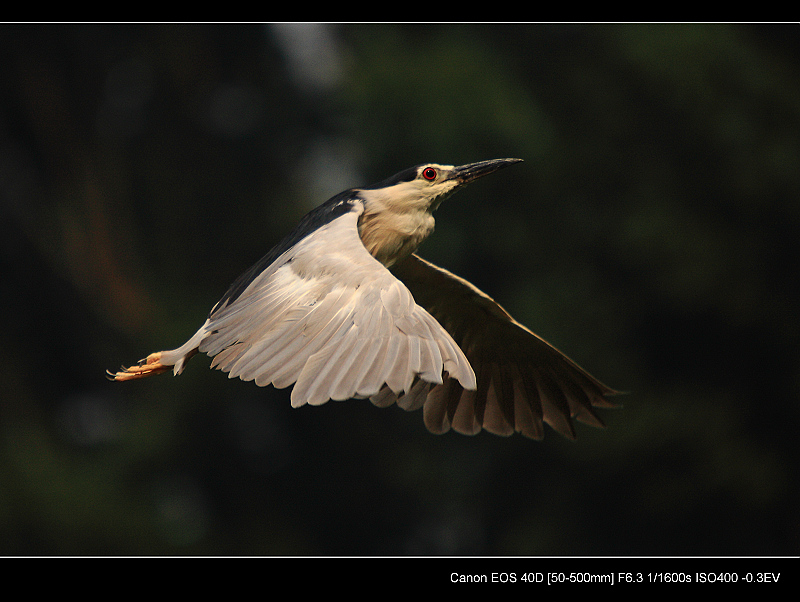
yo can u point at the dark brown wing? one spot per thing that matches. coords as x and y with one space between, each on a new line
523 381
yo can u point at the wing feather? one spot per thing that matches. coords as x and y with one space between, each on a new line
327 367
332 320
415 397
369 377
522 381
278 356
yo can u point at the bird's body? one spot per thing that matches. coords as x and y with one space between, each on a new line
342 308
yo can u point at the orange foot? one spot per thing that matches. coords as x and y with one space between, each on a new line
146 367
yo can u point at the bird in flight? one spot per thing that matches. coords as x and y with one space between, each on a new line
344 308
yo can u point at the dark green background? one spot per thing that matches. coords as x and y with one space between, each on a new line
651 233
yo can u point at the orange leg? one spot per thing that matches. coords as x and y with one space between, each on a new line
146 367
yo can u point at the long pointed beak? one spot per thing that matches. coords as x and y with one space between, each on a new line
473 171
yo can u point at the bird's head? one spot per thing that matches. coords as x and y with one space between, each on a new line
398 211
423 187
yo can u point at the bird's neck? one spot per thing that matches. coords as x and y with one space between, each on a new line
391 234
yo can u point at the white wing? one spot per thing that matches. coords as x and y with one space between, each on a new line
331 319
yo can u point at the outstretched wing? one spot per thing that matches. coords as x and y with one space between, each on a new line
329 318
522 380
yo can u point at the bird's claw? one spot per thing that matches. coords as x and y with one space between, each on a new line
145 367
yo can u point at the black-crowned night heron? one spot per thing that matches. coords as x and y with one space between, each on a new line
342 308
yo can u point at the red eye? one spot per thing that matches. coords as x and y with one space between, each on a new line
429 173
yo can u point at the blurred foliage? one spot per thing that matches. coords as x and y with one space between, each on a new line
651 234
